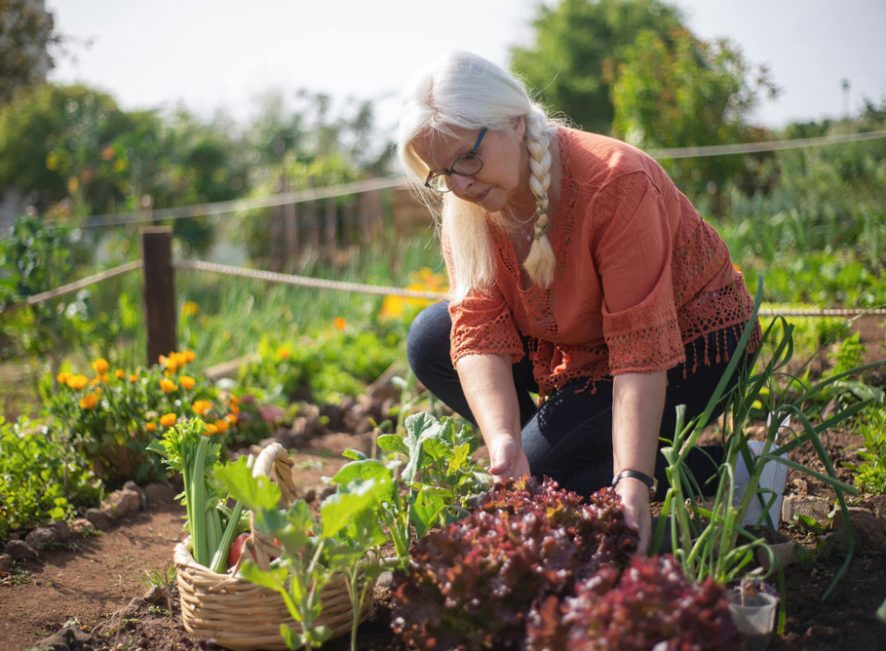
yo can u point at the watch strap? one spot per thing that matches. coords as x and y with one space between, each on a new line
651 482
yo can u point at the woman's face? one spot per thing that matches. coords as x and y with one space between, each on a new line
504 176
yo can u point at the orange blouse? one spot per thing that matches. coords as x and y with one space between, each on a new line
639 276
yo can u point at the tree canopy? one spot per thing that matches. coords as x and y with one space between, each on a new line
26 33
578 46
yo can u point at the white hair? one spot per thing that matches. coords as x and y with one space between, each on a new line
467 91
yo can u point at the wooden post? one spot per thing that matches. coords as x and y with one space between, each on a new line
159 290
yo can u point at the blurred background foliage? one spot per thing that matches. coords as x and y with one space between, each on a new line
810 221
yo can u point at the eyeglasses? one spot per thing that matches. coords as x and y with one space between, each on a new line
466 165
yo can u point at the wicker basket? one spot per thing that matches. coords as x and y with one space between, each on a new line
240 615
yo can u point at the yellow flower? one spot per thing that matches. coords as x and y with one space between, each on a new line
210 430
169 363
340 323
63 377
78 381
119 374
151 427
168 386
221 426
168 420
73 184
187 382
201 406
190 308
89 401
101 366
189 356
283 353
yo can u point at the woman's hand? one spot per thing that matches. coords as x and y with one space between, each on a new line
506 458
635 501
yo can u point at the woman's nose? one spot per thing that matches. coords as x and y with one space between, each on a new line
461 184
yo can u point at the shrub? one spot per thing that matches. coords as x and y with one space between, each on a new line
40 479
111 417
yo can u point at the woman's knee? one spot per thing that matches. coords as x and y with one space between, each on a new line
427 343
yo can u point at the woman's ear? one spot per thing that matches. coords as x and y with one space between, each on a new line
519 126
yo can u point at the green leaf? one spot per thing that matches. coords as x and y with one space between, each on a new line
392 443
351 453
272 579
338 509
430 502
291 639
357 472
255 493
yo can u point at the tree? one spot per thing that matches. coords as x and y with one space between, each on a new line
26 33
676 90
578 45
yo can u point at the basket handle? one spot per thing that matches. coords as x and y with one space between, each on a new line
274 463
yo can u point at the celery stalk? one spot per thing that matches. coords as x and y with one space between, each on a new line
221 555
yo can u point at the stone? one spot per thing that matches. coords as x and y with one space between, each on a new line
156 595
783 555
82 526
99 519
5 562
157 492
870 531
817 508
878 505
61 529
19 550
122 503
41 537
135 488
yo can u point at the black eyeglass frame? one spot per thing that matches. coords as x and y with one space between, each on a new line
472 154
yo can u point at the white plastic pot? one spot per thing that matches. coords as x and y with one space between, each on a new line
754 616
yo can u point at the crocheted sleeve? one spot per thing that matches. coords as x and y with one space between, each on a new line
632 245
482 323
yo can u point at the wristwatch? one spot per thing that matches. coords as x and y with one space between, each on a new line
651 482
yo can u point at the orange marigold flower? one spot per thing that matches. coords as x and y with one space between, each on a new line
150 427
133 378
232 419
119 374
189 356
200 407
168 420
187 382
283 353
168 386
89 401
234 409
233 400
63 377
210 430
340 323
78 381
101 366
221 425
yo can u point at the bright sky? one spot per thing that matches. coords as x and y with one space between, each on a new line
223 54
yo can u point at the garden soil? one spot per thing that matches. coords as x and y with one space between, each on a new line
94 594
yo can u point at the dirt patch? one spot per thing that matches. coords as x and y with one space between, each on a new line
88 580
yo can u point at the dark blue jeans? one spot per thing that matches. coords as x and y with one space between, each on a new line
569 438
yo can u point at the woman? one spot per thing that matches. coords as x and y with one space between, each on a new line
578 272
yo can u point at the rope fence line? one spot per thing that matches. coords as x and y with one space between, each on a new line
363 288
759 147
234 205
384 183
306 281
77 285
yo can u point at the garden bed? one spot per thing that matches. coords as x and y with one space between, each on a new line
95 586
